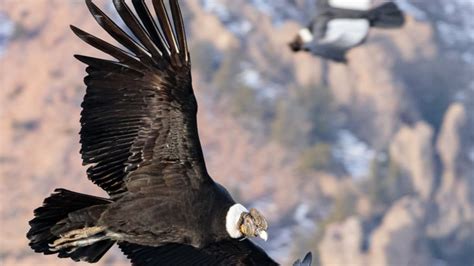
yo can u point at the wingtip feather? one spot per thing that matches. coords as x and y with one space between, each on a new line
180 29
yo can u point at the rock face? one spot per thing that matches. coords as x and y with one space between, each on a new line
342 244
370 89
399 240
412 150
454 197
439 214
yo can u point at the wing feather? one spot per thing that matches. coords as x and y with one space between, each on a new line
150 25
232 252
117 33
139 113
134 25
164 20
121 55
180 32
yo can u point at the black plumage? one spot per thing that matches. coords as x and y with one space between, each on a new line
140 140
226 252
340 25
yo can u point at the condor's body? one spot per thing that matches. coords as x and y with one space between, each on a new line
196 228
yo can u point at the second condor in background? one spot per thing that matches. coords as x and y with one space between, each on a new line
343 24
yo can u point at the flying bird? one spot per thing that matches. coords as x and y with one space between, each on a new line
139 137
343 24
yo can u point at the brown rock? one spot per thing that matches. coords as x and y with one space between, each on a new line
399 239
455 196
370 89
342 244
412 150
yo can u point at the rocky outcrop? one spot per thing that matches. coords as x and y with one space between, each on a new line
412 150
370 89
399 240
342 244
453 226
436 221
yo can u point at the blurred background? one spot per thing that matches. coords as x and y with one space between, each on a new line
370 163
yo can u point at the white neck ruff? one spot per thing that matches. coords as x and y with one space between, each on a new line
306 35
232 220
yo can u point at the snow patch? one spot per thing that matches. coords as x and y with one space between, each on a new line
457 29
303 218
240 27
355 154
254 79
250 77
234 22
216 8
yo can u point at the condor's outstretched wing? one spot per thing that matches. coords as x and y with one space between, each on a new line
139 111
229 252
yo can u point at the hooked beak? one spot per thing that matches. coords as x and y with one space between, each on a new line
263 235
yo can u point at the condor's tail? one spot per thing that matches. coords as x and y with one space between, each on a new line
387 15
65 212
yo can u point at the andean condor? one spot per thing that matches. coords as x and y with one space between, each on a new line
140 139
343 24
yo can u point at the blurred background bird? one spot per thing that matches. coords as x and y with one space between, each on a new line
340 25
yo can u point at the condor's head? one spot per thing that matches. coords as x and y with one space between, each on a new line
243 223
301 41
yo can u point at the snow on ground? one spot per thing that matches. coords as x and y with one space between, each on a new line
355 154
456 28
250 77
233 21
216 8
302 217
239 27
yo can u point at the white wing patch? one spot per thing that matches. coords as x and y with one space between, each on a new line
345 33
351 4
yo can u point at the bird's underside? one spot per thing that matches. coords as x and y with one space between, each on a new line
137 219
341 25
